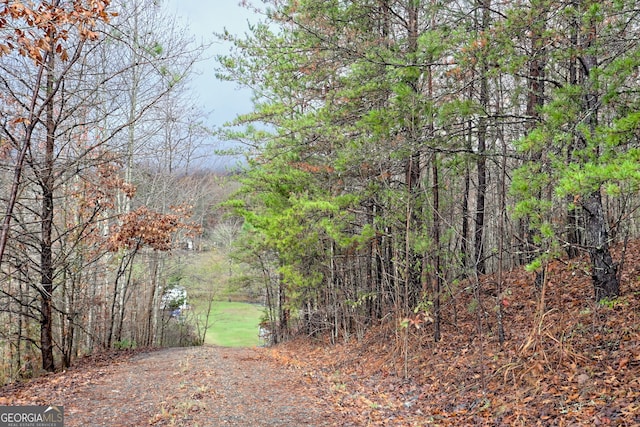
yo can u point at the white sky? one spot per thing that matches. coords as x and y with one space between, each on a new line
223 100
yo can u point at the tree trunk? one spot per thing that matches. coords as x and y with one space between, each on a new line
535 101
481 162
283 314
604 271
413 273
574 233
436 241
46 250
465 246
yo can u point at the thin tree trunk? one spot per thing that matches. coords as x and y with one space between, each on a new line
574 233
151 309
413 274
465 246
24 149
501 231
124 266
481 162
46 249
436 241
283 327
535 101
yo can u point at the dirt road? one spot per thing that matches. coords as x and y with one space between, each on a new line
200 386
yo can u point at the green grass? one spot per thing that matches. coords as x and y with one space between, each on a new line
234 324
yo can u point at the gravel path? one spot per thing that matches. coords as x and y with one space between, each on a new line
199 386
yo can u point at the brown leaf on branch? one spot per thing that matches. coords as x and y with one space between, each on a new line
37 28
145 227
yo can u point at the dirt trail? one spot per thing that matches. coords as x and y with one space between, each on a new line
200 386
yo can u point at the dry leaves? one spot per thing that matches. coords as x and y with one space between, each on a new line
34 29
577 363
574 363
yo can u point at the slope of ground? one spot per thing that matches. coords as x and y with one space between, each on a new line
566 360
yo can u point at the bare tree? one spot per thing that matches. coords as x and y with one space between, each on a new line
66 137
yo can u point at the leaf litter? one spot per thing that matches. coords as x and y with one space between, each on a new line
566 361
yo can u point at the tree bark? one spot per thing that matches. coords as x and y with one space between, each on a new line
574 233
604 271
413 273
481 161
436 238
46 250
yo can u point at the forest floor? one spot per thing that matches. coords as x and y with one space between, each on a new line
565 361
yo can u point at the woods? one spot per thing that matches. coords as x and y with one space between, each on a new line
402 157
96 126
400 150
437 210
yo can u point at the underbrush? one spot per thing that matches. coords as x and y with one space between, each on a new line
566 360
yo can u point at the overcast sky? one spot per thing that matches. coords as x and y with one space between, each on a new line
204 18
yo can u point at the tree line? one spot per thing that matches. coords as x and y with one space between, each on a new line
97 130
400 150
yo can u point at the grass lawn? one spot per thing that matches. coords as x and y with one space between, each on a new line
234 324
